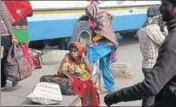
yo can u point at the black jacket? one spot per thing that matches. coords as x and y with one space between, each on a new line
161 81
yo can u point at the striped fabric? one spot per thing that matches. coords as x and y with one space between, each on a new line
150 39
5 18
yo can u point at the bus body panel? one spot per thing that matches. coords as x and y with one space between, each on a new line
57 19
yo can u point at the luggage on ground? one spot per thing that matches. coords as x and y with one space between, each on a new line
63 82
46 93
37 60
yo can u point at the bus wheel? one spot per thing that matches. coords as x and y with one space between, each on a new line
128 34
62 44
82 32
37 45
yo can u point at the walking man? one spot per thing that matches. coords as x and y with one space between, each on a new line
151 37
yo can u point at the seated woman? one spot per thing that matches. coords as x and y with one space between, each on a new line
75 63
77 67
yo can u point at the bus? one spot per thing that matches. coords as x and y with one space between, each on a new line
59 22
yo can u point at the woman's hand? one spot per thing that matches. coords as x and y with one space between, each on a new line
14 41
83 55
89 42
84 58
88 65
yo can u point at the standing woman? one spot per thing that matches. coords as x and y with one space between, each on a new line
22 36
7 38
103 46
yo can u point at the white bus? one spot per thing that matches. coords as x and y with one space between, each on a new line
58 22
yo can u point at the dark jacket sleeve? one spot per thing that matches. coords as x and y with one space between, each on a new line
162 73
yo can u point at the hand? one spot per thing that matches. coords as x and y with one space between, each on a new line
14 41
89 42
83 55
110 99
84 58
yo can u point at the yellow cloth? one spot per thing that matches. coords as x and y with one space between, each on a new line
97 37
77 68
82 70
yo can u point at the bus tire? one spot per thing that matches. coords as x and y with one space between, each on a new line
128 34
82 32
37 45
63 43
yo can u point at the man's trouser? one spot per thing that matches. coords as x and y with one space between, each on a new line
6 42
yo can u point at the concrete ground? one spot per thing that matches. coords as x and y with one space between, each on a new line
129 52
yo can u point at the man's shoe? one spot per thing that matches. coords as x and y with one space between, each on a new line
2 88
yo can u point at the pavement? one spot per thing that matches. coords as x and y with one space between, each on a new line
129 52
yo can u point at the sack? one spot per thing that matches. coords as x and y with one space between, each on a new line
46 93
63 82
16 65
36 56
18 9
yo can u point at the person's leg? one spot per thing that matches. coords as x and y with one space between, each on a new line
96 52
108 78
147 102
6 42
3 75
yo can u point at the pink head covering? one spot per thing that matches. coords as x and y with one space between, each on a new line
101 22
